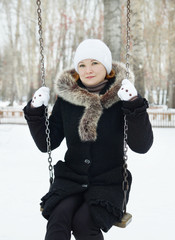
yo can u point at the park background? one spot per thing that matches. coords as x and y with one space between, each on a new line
23 169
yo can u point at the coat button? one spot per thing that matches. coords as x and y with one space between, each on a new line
87 161
84 185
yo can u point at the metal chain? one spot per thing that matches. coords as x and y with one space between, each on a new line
40 31
127 38
48 141
125 185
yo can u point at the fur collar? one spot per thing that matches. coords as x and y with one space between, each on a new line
69 90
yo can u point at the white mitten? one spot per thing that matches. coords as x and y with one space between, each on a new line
40 97
127 90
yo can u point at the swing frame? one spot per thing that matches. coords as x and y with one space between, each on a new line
127 217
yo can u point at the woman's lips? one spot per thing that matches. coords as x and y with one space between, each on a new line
89 77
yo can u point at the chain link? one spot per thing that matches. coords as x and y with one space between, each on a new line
48 142
125 184
127 38
40 31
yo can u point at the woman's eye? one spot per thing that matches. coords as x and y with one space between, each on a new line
94 63
81 65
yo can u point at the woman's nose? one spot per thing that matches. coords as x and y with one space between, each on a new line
88 69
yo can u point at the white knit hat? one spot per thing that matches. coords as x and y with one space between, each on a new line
93 49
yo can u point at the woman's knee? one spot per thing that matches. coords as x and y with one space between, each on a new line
83 226
60 210
59 224
68 206
82 218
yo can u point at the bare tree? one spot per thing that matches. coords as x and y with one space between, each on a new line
138 45
156 46
171 75
66 23
112 27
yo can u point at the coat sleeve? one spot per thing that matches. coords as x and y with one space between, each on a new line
140 134
36 121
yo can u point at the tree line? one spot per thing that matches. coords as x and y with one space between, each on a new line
66 23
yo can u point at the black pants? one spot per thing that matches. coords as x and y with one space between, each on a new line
72 214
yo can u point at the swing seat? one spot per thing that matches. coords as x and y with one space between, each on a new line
126 219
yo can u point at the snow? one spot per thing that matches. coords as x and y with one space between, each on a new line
24 180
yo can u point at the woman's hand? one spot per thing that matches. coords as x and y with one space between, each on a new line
127 92
40 97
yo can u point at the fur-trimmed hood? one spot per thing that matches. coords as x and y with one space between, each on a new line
69 90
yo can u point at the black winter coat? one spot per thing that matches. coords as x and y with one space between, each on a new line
93 127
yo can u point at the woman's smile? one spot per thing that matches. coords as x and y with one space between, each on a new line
89 77
91 72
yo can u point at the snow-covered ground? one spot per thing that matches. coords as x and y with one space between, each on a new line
24 180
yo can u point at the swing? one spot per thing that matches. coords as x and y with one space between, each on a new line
127 217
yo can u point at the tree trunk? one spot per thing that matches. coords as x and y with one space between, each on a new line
171 75
32 57
112 27
137 28
11 92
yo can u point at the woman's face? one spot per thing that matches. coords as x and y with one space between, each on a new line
91 72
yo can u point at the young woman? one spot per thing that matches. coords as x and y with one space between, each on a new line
93 97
